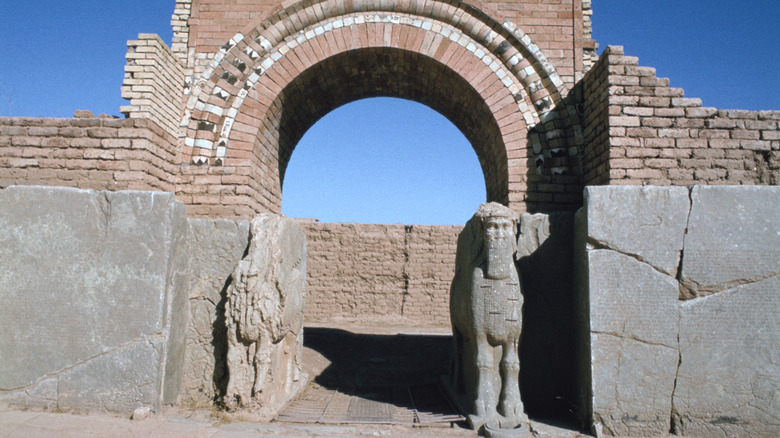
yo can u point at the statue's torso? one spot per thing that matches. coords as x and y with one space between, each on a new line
498 305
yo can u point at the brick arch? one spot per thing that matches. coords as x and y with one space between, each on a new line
383 71
240 110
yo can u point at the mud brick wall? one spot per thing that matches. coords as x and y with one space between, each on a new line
153 83
181 28
94 153
659 137
379 273
429 270
595 156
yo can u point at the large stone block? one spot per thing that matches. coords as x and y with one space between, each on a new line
647 223
711 326
630 299
630 239
737 229
633 318
216 247
729 378
634 382
91 282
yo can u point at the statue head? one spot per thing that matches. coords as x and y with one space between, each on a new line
498 233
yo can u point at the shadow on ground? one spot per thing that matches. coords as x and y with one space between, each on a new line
396 369
362 363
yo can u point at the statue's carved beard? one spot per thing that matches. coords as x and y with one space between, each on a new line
499 260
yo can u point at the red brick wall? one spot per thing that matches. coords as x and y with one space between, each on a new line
276 77
559 27
153 83
658 137
94 153
390 273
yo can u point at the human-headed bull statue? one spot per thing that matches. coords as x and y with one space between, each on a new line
486 310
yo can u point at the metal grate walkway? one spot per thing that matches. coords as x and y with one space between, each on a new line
417 405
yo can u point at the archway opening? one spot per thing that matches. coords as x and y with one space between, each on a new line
382 175
374 284
384 161
377 72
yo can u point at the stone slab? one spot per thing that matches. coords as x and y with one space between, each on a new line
737 229
630 299
633 383
116 381
85 273
729 378
633 326
646 222
710 325
216 247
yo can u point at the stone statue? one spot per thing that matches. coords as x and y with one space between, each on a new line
264 318
486 309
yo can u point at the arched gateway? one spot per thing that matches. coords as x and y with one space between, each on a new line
258 94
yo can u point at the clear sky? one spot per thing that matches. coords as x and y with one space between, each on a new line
407 164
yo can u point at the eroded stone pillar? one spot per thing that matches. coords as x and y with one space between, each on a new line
264 318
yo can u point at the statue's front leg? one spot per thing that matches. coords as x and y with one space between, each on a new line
262 362
484 409
238 364
510 406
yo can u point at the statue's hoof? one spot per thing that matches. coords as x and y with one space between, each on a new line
512 415
475 421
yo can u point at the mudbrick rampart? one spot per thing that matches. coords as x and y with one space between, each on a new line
396 273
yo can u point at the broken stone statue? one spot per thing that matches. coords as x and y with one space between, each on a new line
264 318
486 309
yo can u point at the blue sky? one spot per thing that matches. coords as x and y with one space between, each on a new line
406 163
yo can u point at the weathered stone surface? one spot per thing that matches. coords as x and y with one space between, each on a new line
645 222
729 378
216 247
84 275
43 394
119 381
735 228
633 383
630 299
631 318
634 318
264 318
